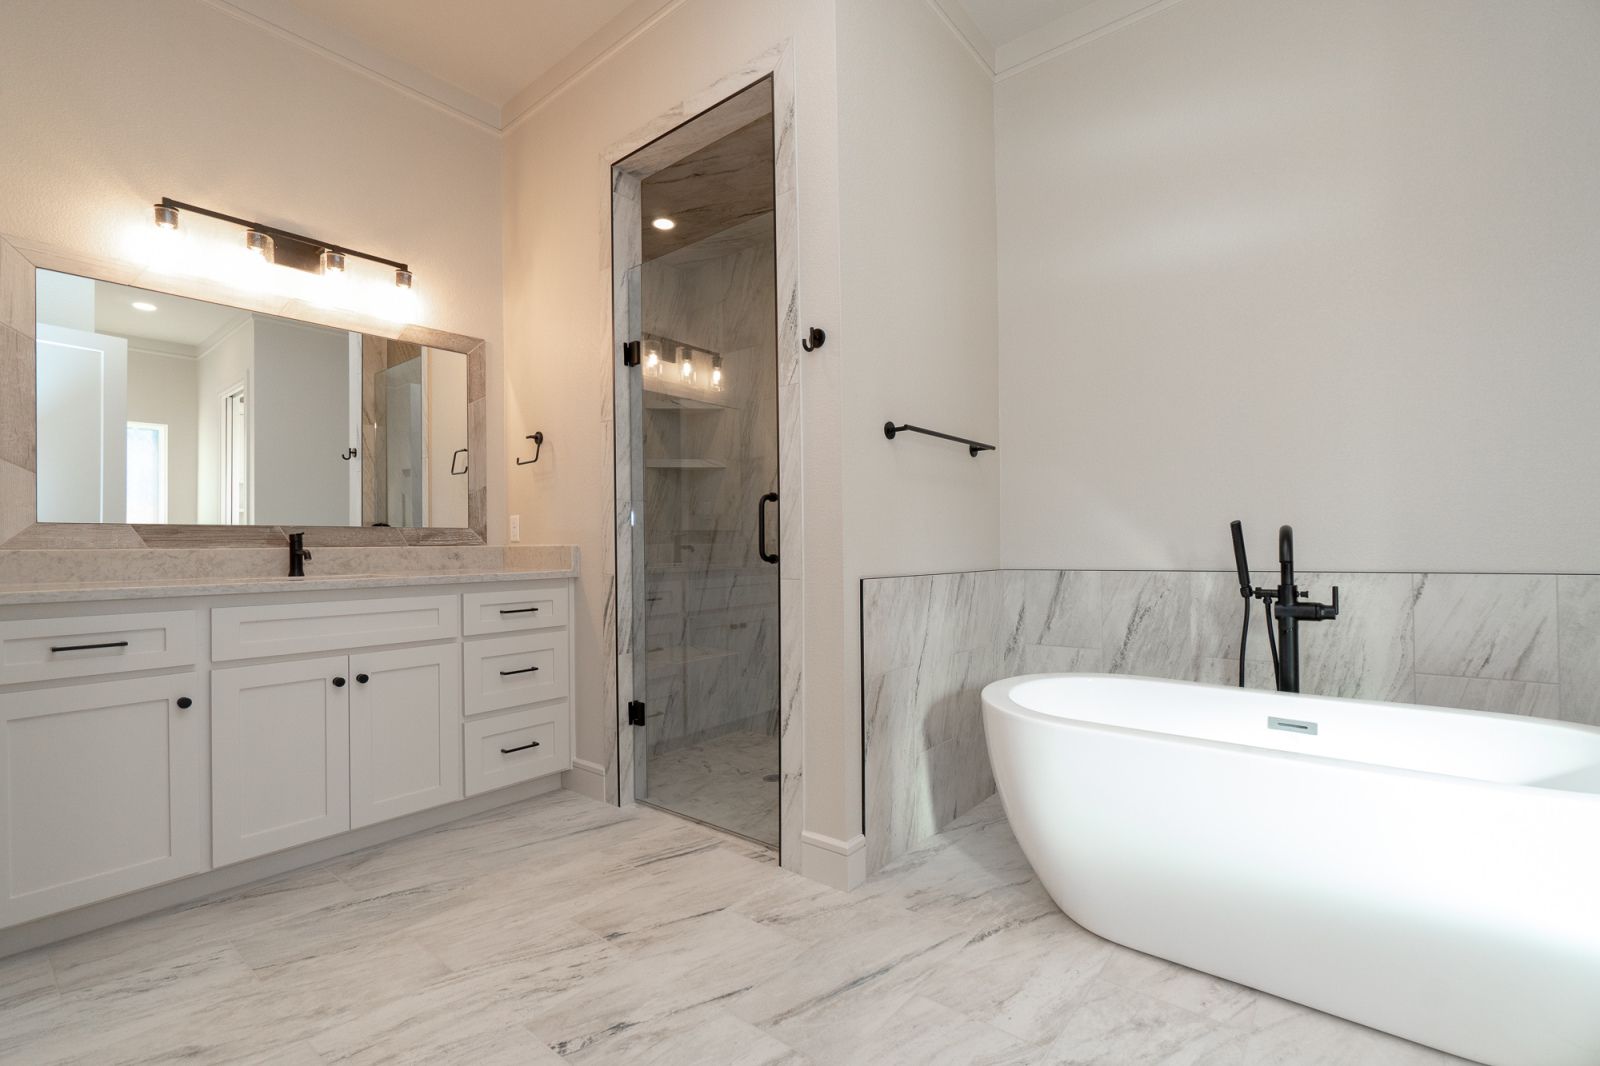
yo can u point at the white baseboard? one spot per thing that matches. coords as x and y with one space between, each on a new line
72 923
840 864
586 779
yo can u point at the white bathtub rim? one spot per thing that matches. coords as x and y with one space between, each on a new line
997 695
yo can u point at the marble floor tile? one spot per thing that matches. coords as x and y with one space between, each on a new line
722 782
560 929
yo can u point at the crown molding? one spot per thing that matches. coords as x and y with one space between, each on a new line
601 45
1076 28
294 26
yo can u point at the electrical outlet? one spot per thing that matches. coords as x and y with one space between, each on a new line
516 528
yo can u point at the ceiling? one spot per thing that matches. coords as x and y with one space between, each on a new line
1004 21
175 321
488 51
1011 34
723 185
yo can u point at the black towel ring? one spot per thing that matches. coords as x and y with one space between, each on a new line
538 446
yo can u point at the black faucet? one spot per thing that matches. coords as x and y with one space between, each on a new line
1283 605
298 554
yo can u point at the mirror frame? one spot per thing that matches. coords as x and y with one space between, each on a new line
19 528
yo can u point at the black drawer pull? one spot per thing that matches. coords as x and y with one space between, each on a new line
519 610
524 670
90 647
525 747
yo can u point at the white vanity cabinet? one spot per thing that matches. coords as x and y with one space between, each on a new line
202 732
280 756
102 791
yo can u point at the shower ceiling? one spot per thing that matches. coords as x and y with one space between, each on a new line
723 185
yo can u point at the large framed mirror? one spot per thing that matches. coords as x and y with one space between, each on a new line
153 409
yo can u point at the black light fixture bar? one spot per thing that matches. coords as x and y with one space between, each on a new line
973 446
315 245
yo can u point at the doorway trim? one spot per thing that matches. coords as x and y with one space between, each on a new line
625 611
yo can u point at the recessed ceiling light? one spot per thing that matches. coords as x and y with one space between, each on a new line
143 305
663 223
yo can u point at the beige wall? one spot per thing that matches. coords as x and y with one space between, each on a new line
107 107
1327 264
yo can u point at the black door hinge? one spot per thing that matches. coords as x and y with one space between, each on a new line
636 712
630 353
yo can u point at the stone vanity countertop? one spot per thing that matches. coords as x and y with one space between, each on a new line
167 588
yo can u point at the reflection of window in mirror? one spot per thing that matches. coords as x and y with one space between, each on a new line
147 472
235 459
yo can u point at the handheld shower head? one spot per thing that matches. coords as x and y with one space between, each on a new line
1239 558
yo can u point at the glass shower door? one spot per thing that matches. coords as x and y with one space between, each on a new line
701 422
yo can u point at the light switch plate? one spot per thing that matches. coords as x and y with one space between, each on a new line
516 528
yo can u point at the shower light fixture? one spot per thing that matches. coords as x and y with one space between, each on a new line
652 358
716 372
282 247
663 224
686 366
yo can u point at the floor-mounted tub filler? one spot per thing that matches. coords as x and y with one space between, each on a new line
1431 873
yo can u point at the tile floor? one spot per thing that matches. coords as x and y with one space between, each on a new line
564 930
722 782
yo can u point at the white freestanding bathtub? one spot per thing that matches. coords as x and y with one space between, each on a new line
1431 873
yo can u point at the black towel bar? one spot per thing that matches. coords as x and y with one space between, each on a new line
973 447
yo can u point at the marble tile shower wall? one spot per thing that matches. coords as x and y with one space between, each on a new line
712 615
1516 643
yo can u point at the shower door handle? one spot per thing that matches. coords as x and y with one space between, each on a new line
761 528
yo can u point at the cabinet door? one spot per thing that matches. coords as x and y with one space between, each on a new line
405 731
103 792
280 756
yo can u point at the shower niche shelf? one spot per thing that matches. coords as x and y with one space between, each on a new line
685 464
669 401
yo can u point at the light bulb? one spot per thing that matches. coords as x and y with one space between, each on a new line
716 372
663 224
332 262
686 368
402 279
260 245
652 359
166 217
143 305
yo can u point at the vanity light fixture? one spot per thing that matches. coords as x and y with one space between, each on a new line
143 305
259 244
663 224
686 366
281 246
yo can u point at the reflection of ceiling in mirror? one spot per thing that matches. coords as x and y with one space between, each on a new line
723 185
174 321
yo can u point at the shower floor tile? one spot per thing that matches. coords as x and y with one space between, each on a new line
721 782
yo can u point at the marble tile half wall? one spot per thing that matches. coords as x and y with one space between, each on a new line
1516 643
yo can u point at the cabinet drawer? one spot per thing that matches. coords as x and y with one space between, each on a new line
299 628
504 749
514 610
44 649
510 671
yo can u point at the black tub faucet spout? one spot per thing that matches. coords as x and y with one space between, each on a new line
1284 607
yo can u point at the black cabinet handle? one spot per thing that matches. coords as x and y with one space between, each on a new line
524 670
761 528
520 610
362 679
184 703
90 647
338 682
525 747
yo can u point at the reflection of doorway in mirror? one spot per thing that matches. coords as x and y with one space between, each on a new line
147 472
235 458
